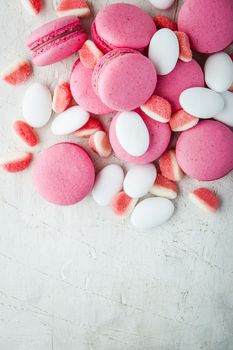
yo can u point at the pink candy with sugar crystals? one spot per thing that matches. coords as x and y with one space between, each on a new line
181 121
77 8
158 108
90 54
17 73
26 133
62 97
33 6
205 199
184 44
122 204
164 188
165 22
99 143
16 162
169 166
91 127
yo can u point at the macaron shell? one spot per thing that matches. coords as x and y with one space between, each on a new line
124 25
160 134
51 27
208 23
64 174
205 151
83 92
185 75
59 48
124 68
100 43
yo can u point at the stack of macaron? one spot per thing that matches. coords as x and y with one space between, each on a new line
171 116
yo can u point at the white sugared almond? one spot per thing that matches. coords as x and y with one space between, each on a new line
108 183
139 180
69 121
152 212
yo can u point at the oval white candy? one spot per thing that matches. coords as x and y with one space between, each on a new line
219 72
162 4
226 115
201 102
70 120
37 105
107 184
164 51
152 212
139 180
132 133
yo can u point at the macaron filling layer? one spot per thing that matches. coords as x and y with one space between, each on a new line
104 45
55 38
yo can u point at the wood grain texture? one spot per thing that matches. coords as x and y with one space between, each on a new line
77 277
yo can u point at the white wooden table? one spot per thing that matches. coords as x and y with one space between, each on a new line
78 278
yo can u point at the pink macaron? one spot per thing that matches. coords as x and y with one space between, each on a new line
205 151
208 23
159 133
64 174
185 75
56 40
83 92
124 79
122 25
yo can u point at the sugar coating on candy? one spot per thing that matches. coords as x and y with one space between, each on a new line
16 161
90 54
164 51
37 105
33 6
62 97
169 166
77 8
99 143
205 199
165 22
164 187
26 133
152 212
129 126
186 54
122 204
181 121
70 120
91 127
108 183
64 174
157 108
17 73
185 75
